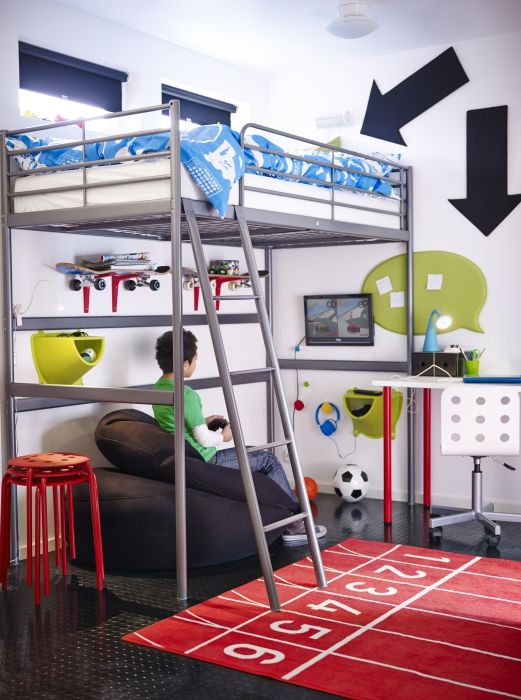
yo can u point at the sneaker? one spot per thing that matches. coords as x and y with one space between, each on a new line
296 532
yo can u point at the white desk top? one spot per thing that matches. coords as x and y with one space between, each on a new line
417 382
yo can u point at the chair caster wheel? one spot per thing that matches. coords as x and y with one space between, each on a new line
435 534
492 540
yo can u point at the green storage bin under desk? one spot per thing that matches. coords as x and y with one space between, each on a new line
58 356
366 411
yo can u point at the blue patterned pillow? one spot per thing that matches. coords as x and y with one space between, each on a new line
61 155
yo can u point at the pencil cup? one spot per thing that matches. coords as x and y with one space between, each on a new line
472 368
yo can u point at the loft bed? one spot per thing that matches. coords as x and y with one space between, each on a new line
124 184
291 191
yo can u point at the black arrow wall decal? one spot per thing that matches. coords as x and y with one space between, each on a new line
487 202
386 114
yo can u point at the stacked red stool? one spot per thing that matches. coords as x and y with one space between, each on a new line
59 471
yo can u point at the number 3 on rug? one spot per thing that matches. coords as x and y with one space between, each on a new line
355 586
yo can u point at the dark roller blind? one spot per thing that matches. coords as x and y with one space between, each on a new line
198 108
59 75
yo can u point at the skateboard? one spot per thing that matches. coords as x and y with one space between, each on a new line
234 282
85 278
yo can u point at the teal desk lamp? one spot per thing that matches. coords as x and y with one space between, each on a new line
436 320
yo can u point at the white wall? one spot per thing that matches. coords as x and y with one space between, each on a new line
436 148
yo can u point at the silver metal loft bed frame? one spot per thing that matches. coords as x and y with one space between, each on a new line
166 219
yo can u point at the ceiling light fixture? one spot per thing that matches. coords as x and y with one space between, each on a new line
352 22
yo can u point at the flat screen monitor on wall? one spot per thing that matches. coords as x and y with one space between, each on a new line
339 319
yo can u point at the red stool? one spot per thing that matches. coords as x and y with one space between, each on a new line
61 471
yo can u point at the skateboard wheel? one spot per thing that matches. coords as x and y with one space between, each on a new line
213 284
154 285
100 284
188 285
75 285
130 285
232 286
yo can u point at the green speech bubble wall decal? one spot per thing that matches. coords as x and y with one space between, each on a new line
462 293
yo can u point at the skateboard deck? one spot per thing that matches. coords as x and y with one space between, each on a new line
234 282
73 269
85 278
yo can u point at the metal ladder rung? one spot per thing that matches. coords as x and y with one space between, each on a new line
268 446
286 521
259 370
235 297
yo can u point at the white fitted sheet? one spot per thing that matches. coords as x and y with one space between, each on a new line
160 189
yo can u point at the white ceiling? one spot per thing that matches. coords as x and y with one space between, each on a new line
270 35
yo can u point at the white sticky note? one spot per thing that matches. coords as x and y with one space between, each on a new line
434 281
397 300
384 285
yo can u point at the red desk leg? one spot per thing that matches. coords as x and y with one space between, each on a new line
388 507
427 447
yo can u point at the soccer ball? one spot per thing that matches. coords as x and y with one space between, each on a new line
351 483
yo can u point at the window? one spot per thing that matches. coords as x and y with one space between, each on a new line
54 86
198 109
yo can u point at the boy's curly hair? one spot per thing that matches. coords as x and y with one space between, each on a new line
164 350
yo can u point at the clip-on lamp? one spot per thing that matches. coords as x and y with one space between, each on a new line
436 320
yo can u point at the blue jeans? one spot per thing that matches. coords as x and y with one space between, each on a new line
263 461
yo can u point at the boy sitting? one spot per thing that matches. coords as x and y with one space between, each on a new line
204 433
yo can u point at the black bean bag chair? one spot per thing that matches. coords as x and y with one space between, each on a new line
137 502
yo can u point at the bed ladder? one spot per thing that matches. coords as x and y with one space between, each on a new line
304 513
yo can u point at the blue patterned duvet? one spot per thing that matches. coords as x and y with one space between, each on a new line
211 154
353 171
214 158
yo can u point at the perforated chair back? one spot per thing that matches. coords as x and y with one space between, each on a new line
480 421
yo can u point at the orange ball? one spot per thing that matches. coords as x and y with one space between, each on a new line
311 487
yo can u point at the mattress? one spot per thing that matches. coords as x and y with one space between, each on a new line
108 194
128 191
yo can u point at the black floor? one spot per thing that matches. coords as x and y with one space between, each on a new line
71 646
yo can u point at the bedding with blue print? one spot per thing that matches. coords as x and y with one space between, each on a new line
352 171
211 154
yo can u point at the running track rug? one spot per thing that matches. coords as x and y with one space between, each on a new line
394 622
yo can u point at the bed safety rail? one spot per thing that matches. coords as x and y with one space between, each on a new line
342 171
64 140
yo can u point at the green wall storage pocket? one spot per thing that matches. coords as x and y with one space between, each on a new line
366 411
63 358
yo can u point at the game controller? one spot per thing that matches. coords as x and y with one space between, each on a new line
217 423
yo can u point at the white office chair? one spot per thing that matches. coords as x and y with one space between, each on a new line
479 421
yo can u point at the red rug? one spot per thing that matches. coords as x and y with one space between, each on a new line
394 622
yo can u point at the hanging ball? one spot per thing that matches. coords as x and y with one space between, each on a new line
311 487
298 405
306 383
326 407
89 355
